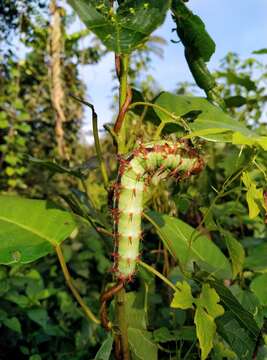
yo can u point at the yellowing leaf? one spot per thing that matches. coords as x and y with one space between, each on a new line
209 300
183 298
262 141
206 329
207 310
252 195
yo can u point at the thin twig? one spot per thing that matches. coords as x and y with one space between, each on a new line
69 282
97 141
158 274
104 298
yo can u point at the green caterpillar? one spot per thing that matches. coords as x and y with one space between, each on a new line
161 160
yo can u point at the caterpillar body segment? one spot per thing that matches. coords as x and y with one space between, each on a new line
158 160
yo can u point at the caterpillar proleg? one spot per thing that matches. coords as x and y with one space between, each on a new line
161 159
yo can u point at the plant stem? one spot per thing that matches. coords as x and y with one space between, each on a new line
122 65
123 79
98 151
122 323
69 282
96 139
158 274
119 126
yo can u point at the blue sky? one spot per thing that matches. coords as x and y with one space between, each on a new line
235 25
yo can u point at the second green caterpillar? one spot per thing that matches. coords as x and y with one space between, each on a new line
160 159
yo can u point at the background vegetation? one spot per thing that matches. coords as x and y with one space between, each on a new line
226 203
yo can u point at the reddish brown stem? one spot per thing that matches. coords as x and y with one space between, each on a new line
123 110
105 297
118 65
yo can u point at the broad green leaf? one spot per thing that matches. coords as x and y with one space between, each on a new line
257 259
124 29
134 309
29 229
253 140
39 316
187 333
238 313
105 349
13 324
142 345
253 195
206 329
187 245
236 252
236 336
182 298
250 302
259 287
212 123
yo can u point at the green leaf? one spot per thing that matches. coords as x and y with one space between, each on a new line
257 259
250 302
13 324
3 123
242 80
187 333
236 252
259 287
182 298
127 27
30 228
39 316
187 244
253 194
81 172
212 123
105 349
253 140
236 336
260 52
142 345
238 313
235 101
35 357
221 350
134 309
192 32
